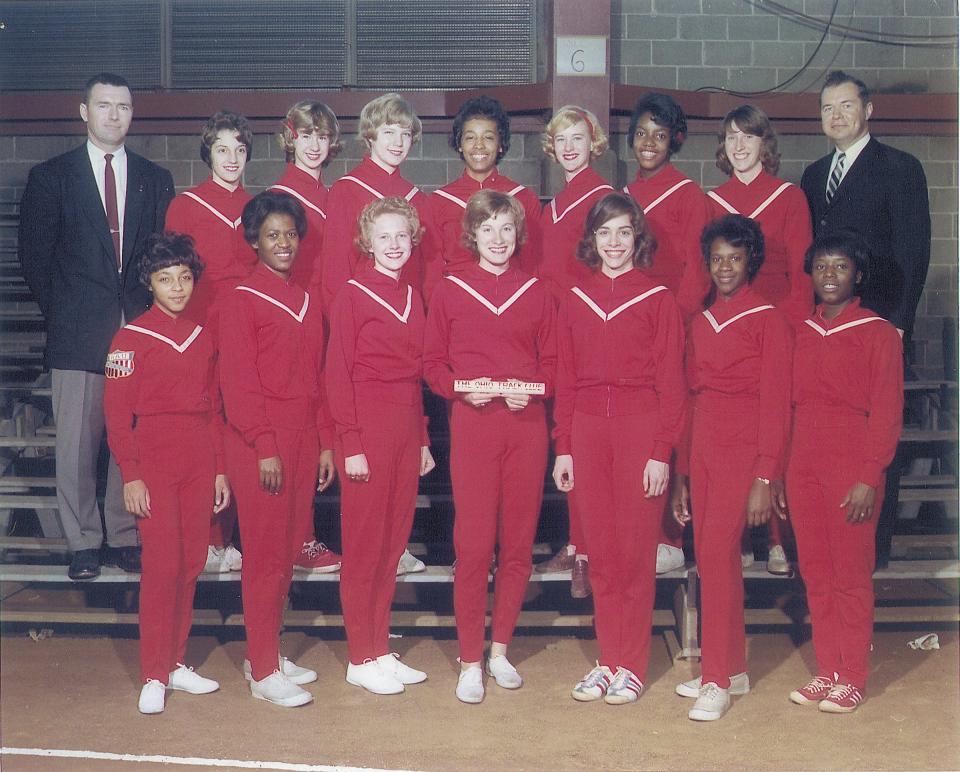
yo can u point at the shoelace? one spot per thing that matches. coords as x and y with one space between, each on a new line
621 679
316 548
819 684
596 677
710 691
841 692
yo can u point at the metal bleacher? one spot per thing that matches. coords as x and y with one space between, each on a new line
33 551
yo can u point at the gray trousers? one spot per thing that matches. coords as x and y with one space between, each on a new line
78 411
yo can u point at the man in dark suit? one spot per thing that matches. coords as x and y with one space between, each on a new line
84 218
881 193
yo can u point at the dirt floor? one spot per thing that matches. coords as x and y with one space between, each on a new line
911 719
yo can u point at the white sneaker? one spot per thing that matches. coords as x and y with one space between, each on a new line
504 673
625 687
391 664
409 564
777 563
470 685
593 685
739 685
280 690
214 564
373 678
152 696
669 558
747 559
711 704
184 679
232 559
294 673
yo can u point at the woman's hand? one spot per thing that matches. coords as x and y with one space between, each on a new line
427 464
778 493
858 501
656 475
563 473
326 471
759 503
477 398
680 499
221 493
136 498
356 468
515 400
271 474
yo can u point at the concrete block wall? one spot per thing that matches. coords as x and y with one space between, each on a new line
749 46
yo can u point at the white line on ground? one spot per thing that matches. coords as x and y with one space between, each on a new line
186 760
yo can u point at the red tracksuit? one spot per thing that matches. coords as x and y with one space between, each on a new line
781 211
738 365
561 222
620 400
847 419
210 214
270 376
164 427
312 195
373 372
676 210
340 257
483 325
446 253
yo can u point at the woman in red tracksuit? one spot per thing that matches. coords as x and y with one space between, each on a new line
573 138
165 430
388 128
618 414
481 136
738 365
210 215
373 376
847 419
492 322
747 151
310 139
676 210
278 441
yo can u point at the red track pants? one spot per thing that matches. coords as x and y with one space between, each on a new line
178 468
271 527
722 454
498 460
376 521
837 558
620 525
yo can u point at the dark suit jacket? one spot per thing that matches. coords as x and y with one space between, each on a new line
68 256
883 197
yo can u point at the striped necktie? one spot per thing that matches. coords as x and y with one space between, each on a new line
835 178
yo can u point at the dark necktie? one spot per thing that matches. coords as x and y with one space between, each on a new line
835 177
113 218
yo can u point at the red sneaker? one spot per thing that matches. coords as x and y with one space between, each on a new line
815 691
843 698
316 557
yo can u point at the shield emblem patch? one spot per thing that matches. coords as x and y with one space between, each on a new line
119 364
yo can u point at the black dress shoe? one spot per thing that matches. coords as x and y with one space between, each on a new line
127 558
84 565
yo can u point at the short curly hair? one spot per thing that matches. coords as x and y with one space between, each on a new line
846 243
164 250
610 206
225 120
485 204
666 112
566 117
309 115
481 107
754 121
737 231
389 205
387 109
261 206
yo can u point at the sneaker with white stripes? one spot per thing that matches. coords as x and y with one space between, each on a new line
843 698
625 687
815 691
593 685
